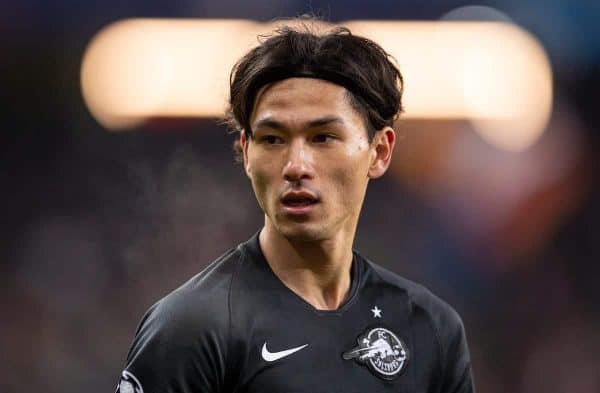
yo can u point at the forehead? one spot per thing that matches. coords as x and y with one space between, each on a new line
303 99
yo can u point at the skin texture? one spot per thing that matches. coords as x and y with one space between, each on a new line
306 137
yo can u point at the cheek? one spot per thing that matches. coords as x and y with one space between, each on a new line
350 182
261 183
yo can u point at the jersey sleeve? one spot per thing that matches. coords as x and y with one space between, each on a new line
456 361
178 347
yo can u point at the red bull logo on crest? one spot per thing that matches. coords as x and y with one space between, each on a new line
382 351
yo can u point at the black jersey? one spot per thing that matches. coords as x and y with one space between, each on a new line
235 327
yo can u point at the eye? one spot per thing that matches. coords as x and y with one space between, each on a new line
271 139
322 138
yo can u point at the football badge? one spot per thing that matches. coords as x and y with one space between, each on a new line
129 384
381 351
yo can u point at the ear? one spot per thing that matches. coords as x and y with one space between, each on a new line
382 147
244 142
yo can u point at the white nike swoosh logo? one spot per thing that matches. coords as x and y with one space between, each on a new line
272 356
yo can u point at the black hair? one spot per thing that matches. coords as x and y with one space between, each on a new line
364 68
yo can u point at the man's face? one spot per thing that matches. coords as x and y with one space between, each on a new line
309 159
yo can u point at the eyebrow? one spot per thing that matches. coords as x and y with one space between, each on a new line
269 122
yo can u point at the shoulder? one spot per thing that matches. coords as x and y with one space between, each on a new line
203 299
436 323
181 343
422 301
199 307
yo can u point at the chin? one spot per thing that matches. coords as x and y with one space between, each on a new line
300 232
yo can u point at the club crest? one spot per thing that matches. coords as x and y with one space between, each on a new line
382 351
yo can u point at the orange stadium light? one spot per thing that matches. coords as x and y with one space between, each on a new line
494 74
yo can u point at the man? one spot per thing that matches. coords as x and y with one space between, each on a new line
295 309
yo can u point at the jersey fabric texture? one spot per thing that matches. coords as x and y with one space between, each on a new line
235 327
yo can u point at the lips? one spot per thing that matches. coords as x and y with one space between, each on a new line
299 204
299 198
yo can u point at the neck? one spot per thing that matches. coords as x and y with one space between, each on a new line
317 271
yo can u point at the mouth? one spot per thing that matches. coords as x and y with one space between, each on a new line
299 203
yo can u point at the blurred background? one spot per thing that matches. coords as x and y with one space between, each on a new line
97 225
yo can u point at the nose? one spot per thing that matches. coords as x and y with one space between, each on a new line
299 162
